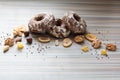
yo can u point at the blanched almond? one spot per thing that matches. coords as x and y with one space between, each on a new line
6 48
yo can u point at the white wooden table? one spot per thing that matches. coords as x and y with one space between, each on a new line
58 63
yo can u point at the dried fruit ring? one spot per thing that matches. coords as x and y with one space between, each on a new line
67 42
90 37
79 39
44 39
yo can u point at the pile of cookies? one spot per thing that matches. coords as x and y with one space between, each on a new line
70 23
43 23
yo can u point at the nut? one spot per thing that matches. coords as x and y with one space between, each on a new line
19 34
26 33
29 40
17 31
20 45
6 48
67 42
18 39
111 47
79 39
44 39
22 28
9 42
96 44
85 48
90 37
56 43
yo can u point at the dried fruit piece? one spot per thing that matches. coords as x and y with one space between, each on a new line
9 42
26 33
67 42
79 39
111 47
20 45
90 37
29 40
96 44
6 48
103 52
18 39
44 39
56 43
85 48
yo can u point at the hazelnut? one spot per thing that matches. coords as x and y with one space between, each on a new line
111 47
96 44
29 40
26 33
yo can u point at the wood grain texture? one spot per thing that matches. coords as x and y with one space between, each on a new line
58 63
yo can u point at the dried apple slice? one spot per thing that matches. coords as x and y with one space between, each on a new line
44 39
90 37
78 39
67 42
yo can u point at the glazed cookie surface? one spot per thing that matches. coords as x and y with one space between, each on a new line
41 22
75 23
59 30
